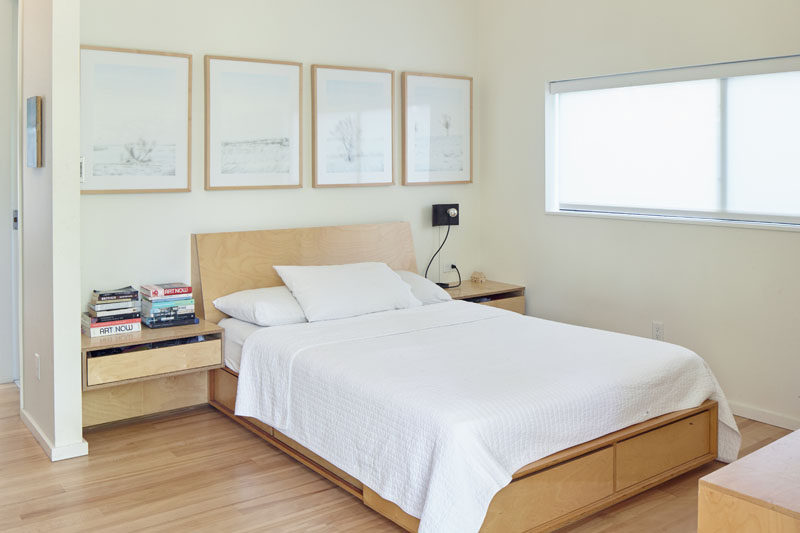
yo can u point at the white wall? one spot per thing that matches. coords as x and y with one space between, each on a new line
138 238
730 294
51 398
8 135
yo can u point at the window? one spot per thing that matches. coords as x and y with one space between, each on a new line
715 142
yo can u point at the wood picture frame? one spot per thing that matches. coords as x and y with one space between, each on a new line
151 155
434 104
33 131
277 114
345 167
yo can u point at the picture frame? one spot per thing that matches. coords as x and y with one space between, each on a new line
437 129
352 126
33 131
253 123
135 121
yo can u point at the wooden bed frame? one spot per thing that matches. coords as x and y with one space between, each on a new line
543 495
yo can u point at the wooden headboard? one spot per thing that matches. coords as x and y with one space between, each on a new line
223 263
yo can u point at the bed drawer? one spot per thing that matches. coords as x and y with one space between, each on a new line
158 361
548 494
649 454
514 303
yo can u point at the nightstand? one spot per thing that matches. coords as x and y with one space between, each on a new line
492 293
126 376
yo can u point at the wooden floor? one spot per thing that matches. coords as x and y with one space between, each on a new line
199 471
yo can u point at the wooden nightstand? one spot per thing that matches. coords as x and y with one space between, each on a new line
493 293
154 370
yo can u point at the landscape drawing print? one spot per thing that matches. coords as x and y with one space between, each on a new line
439 131
353 127
253 123
134 128
437 128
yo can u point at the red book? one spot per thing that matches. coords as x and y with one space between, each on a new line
113 323
165 289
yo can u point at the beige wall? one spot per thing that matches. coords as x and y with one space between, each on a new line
8 149
145 237
37 225
730 294
50 237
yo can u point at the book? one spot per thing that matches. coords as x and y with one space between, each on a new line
114 312
166 304
171 297
86 318
171 312
165 289
119 304
111 329
171 323
113 295
167 318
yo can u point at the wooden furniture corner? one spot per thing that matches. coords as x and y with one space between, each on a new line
760 492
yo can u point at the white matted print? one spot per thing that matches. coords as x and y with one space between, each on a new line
135 119
437 129
253 117
353 112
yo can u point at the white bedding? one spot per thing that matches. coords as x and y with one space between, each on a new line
236 331
435 407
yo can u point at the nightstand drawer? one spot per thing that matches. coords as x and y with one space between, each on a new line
158 361
514 303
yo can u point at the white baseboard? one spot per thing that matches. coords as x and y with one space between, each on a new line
763 415
55 453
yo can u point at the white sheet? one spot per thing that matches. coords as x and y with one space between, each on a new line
435 407
236 331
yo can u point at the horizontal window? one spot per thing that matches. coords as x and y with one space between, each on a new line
705 142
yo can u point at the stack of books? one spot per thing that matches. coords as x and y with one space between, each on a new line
167 304
112 312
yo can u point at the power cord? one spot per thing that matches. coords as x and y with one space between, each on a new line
439 250
454 267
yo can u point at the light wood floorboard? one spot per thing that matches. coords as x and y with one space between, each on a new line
199 471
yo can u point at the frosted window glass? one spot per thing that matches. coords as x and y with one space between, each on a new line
648 146
764 144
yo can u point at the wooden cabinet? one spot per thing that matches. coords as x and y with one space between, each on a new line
154 370
492 293
759 493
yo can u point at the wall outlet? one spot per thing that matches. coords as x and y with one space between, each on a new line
658 330
38 365
446 265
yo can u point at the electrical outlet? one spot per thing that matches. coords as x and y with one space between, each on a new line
38 365
446 265
658 330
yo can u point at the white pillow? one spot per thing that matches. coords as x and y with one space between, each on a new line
341 291
424 289
273 306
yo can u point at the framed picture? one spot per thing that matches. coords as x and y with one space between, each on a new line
135 121
33 131
253 123
353 126
437 129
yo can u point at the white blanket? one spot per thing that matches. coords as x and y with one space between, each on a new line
435 407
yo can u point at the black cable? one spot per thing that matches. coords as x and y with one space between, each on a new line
459 277
439 250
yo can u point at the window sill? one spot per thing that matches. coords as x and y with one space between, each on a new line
672 219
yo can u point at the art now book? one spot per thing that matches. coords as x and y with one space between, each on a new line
165 289
102 329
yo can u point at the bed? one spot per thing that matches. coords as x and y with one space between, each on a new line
552 489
